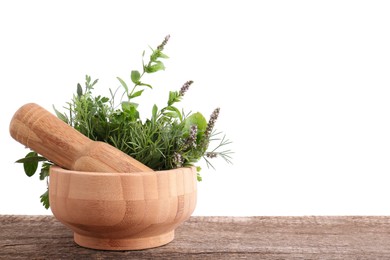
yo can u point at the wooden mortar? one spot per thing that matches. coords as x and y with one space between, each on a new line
122 211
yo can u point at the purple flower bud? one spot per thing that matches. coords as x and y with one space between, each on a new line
211 123
185 87
211 154
177 159
161 46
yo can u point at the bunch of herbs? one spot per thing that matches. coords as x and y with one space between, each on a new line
168 139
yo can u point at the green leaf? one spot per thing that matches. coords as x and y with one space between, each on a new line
163 56
96 81
123 84
174 112
154 55
195 119
130 109
158 65
30 167
135 76
79 90
136 94
171 114
144 84
45 171
128 105
125 105
173 97
60 115
154 112
30 159
45 199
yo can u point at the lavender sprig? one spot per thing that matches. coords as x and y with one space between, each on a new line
211 123
191 140
177 159
185 87
161 46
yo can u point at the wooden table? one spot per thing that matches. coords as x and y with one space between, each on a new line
308 237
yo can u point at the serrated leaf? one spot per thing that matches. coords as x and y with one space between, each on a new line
30 167
135 76
136 94
43 174
130 109
45 171
123 84
45 199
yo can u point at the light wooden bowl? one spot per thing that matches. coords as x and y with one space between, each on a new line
122 211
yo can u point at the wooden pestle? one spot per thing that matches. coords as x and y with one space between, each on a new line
49 136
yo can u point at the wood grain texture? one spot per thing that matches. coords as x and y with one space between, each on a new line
322 237
38 129
123 211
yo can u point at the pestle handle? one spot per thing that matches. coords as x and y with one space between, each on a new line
40 130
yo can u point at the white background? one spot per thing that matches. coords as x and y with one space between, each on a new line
303 86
